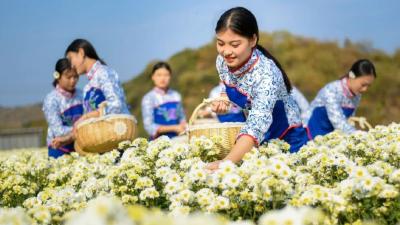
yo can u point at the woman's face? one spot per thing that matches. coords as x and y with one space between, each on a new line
161 78
361 84
234 48
68 80
77 60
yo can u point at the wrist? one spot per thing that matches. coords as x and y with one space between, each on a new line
96 113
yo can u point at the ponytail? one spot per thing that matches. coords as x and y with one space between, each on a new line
284 75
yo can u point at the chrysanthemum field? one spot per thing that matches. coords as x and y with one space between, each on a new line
335 179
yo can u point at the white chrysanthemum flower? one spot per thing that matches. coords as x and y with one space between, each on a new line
149 193
173 178
172 188
213 180
266 194
143 182
186 195
198 165
222 202
162 172
277 166
359 172
198 175
368 183
205 196
232 180
208 144
186 163
395 176
226 167
100 211
388 192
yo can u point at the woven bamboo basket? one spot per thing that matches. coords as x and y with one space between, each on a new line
79 150
227 131
103 134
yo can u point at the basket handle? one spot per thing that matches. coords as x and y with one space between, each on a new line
206 101
102 108
362 122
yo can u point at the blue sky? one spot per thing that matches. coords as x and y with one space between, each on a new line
128 34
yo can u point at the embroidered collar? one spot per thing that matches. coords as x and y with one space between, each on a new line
161 91
346 89
93 70
64 92
247 65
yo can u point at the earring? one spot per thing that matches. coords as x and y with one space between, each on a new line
56 75
352 75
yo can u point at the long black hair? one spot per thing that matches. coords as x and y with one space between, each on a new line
160 65
87 47
62 65
363 67
241 21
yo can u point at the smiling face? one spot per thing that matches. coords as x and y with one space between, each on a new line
161 78
361 84
234 48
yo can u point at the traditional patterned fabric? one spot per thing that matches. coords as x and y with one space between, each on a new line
104 85
301 101
331 108
161 108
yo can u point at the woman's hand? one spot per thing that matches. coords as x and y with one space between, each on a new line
180 128
220 106
58 142
213 165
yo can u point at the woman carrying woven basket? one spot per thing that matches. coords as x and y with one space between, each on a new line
255 81
103 85
162 108
62 107
337 101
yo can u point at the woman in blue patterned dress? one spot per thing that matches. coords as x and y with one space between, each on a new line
338 100
62 107
255 81
103 85
162 108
